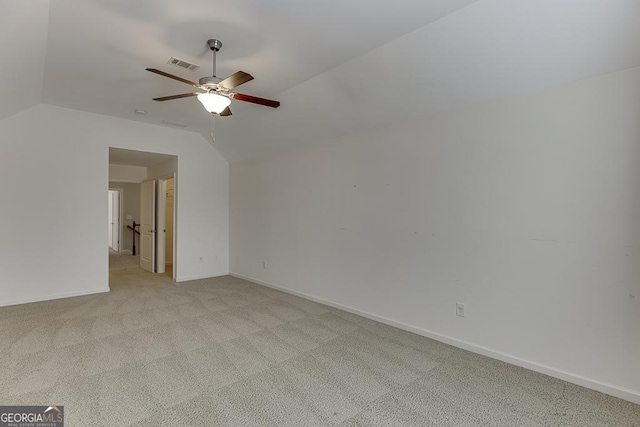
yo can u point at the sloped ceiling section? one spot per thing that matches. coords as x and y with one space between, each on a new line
489 50
337 66
23 42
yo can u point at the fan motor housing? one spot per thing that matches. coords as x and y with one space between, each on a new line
209 82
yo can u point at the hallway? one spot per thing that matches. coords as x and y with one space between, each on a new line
124 269
125 272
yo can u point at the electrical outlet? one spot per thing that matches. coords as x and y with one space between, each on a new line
461 309
264 264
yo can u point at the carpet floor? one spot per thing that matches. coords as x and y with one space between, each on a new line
225 351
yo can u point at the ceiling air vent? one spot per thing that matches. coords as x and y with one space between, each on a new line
182 64
174 124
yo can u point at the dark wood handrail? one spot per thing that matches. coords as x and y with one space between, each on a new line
133 251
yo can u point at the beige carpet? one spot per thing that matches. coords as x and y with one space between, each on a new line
228 352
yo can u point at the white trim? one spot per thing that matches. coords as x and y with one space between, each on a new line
174 275
121 214
203 276
161 222
53 296
127 181
621 392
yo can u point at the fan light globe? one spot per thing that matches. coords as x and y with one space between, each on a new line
213 102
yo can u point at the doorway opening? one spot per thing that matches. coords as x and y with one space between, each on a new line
148 207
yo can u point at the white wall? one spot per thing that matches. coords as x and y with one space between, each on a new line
525 209
127 173
161 170
53 246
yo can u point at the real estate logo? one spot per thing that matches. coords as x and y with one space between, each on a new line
31 416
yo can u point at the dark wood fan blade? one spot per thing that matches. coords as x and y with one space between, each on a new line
182 95
255 100
226 112
171 76
236 80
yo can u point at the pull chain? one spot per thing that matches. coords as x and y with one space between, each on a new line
213 139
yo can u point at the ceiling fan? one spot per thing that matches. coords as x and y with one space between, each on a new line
217 94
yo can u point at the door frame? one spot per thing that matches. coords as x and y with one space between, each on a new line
160 213
152 226
120 208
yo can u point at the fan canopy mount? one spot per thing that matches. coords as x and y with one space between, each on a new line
214 44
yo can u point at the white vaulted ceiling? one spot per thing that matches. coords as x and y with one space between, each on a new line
23 43
337 66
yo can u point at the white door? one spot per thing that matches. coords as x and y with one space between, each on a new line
115 220
110 226
147 225
160 235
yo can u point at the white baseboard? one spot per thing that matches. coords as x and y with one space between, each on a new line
204 276
621 392
53 296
